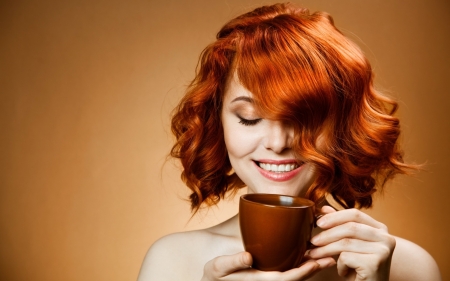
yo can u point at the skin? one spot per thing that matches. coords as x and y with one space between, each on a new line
350 245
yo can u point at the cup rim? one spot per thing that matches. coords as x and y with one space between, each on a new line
306 203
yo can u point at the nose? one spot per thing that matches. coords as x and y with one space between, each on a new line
279 136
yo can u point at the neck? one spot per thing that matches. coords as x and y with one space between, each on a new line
229 227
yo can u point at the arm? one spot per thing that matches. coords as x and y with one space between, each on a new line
411 262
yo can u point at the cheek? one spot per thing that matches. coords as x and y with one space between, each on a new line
240 141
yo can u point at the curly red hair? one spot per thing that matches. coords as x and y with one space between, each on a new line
300 69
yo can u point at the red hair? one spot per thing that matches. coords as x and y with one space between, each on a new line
301 70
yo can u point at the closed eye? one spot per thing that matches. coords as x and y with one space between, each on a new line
247 122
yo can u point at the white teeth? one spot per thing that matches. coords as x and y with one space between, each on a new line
278 168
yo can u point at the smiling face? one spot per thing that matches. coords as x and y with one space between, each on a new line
260 149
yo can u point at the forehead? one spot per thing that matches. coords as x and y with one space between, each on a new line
234 89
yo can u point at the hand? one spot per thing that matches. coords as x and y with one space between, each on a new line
237 267
363 244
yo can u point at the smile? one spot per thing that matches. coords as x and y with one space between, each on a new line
278 168
278 171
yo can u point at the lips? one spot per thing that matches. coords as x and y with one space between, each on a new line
278 170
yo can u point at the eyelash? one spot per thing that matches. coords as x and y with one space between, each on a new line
247 122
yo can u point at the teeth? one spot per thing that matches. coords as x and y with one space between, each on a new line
278 168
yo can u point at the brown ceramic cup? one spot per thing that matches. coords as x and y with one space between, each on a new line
275 229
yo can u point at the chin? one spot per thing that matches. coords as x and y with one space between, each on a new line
278 190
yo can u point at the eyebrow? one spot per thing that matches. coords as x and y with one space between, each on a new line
243 98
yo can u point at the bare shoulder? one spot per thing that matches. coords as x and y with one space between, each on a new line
166 258
183 255
411 262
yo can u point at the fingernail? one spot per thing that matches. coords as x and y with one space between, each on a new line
331 263
327 262
321 222
315 239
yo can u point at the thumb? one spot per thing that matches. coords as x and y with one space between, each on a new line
241 260
247 259
225 265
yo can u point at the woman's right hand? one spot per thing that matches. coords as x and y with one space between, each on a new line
237 267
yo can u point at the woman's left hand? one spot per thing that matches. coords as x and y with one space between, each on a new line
363 244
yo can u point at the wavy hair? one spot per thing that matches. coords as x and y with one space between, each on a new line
300 69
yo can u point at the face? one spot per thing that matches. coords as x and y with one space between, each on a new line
260 149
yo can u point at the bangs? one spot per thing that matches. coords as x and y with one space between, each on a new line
286 70
299 69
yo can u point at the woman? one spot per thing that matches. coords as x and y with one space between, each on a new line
284 103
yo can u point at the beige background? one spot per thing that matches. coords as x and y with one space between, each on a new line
85 96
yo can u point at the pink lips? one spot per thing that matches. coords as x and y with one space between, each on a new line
279 177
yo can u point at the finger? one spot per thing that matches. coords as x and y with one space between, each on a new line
347 245
348 273
224 265
364 265
347 263
305 271
349 230
323 211
342 268
326 262
327 209
337 218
